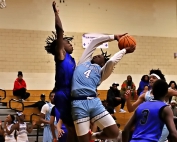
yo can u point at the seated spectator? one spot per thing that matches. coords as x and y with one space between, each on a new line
173 107
108 108
172 85
20 87
146 88
40 103
114 98
128 85
144 82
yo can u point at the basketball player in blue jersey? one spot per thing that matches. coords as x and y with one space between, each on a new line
150 117
62 131
61 48
154 76
88 75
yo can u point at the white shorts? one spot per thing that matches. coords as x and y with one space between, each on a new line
102 120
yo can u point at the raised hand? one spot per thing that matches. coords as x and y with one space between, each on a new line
34 123
130 49
55 7
127 94
117 37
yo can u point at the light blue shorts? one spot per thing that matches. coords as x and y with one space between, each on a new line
87 108
86 111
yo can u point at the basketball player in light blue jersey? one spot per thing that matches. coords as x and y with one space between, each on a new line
62 49
88 75
154 76
150 117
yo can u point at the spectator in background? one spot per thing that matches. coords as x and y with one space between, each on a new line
45 118
1 132
128 85
114 98
9 129
40 103
144 82
108 108
20 87
174 108
172 85
146 88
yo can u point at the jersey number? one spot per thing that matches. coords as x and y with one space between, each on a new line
145 117
87 73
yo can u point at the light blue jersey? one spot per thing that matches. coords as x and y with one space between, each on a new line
86 79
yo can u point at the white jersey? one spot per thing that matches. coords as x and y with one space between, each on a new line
10 138
22 133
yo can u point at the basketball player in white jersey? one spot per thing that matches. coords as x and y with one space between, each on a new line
9 129
23 128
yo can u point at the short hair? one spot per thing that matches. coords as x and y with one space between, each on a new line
51 43
159 73
159 89
106 57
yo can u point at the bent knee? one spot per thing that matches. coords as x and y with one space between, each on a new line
112 131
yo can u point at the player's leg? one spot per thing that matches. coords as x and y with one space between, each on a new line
63 104
103 120
80 114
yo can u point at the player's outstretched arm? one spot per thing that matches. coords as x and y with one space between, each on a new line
127 129
60 52
171 92
167 116
107 69
131 107
87 55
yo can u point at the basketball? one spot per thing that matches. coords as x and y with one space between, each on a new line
126 41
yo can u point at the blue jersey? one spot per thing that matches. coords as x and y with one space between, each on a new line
86 78
64 72
148 127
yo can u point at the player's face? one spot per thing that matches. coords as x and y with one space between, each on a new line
68 46
98 59
52 97
22 117
152 79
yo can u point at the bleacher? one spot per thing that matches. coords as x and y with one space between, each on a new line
122 118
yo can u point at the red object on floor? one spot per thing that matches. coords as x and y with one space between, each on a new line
90 133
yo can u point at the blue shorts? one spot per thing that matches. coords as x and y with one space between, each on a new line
62 102
87 108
